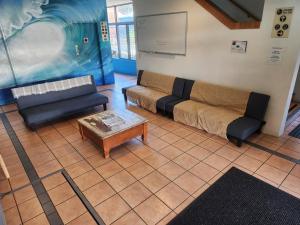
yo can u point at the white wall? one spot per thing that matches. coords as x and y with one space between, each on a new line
209 57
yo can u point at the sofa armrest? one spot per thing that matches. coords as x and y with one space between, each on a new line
124 90
139 77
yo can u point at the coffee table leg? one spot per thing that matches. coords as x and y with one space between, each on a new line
145 132
81 131
106 150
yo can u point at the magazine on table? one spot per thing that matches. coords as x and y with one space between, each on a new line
111 119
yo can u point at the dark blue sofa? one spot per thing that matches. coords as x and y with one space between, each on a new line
37 109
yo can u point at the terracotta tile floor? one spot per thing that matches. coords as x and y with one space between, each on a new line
285 144
141 183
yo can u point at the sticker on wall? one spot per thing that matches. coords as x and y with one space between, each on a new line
282 22
275 56
239 46
104 31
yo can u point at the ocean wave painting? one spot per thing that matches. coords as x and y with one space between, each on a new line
44 40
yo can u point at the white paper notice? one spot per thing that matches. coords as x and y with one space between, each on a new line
275 55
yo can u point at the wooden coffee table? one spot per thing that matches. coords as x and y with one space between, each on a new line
133 126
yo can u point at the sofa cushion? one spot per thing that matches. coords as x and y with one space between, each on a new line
145 97
220 96
169 108
215 120
243 127
212 119
162 102
31 100
186 112
158 82
43 113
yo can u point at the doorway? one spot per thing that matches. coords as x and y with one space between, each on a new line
122 36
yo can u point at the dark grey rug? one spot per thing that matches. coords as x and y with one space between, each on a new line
240 199
296 132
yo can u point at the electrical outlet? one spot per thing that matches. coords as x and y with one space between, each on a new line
85 40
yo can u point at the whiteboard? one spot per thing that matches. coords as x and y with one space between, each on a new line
162 33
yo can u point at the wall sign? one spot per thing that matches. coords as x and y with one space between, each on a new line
239 46
275 56
104 31
282 22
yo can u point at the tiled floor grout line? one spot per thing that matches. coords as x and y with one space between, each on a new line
138 180
77 190
171 181
158 151
40 191
31 183
65 174
289 173
105 179
273 152
15 201
83 199
192 156
270 151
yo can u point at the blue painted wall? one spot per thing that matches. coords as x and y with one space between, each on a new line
125 66
44 39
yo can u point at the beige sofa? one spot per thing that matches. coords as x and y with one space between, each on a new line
153 86
212 108
230 113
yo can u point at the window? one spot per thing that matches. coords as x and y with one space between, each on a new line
125 13
111 15
132 41
114 41
123 41
122 31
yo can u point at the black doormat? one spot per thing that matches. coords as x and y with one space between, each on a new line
238 198
296 132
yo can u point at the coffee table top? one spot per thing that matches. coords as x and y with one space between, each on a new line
120 121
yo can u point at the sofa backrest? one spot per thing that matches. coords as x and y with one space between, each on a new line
50 92
217 95
158 82
257 106
178 87
188 85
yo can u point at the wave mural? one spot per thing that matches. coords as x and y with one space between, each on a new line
44 40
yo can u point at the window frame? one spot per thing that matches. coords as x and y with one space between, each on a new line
127 24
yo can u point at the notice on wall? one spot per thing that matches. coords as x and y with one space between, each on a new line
282 22
239 46
275 56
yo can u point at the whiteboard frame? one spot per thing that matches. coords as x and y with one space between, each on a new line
163 14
